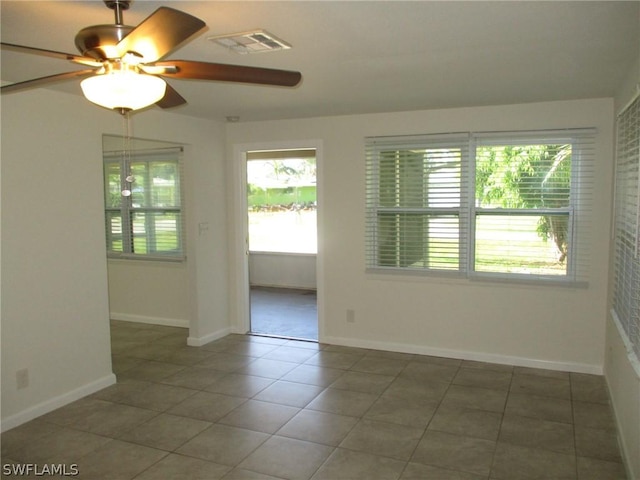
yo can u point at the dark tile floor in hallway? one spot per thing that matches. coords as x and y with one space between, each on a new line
249 407
284 312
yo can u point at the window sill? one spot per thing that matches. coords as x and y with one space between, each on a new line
147 258
391 274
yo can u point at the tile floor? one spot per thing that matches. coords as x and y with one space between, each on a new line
284 312
247 407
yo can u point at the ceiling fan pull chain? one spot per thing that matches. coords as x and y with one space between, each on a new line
126 154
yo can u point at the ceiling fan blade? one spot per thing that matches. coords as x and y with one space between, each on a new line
51 53
38 82
171 98
159 34
229 73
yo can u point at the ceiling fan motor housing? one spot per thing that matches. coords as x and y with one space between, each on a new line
99 41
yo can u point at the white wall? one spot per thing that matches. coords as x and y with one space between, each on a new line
54 295
528 325
149 292
622 377
286 270
55 311
194 291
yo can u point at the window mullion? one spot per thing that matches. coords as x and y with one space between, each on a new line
468 210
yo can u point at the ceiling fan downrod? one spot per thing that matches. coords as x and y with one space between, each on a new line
118 6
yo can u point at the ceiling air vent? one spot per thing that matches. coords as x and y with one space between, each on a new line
251 42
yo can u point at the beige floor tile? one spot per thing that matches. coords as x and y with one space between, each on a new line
260 416
349 465
483 377
223 444
287 458
594 469
290 354
466 421
536 433
118 460
165 432
313 375
318 427
64 446
186 356
363 382
249 349
589 388
474 397
593 415
403 411
512 462
248 407
152 371
597 443
428 392
241 474
239 385
425 372
544 386
19 437
158 397
542 408
456 452
343 402
113 420
380 365
210 407
264 367
226 362
197 378
334 359
289 393
417 471
179 467
383 439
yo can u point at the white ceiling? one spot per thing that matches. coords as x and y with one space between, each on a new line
366 56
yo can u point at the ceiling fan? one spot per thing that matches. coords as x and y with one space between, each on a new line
126 70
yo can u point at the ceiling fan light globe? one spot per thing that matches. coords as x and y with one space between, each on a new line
125 89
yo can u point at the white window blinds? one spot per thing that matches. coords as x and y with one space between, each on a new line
415 204
626 287
481 204
143 204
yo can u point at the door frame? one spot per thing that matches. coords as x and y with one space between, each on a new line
241 309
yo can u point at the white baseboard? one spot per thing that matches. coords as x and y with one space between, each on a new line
465 355
169 322
200 341
56 402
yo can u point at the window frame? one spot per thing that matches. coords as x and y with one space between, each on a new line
469 212
625 302
128 212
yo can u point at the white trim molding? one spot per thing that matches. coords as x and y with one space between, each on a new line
168 322
56 402
210 337
467 355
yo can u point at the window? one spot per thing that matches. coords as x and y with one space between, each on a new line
143 203
486 205
282 201
626 268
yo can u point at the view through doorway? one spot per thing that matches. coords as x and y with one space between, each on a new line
282 241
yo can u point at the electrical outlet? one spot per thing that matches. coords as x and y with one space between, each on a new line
22 378
351 316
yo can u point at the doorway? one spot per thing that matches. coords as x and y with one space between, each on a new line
282 242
